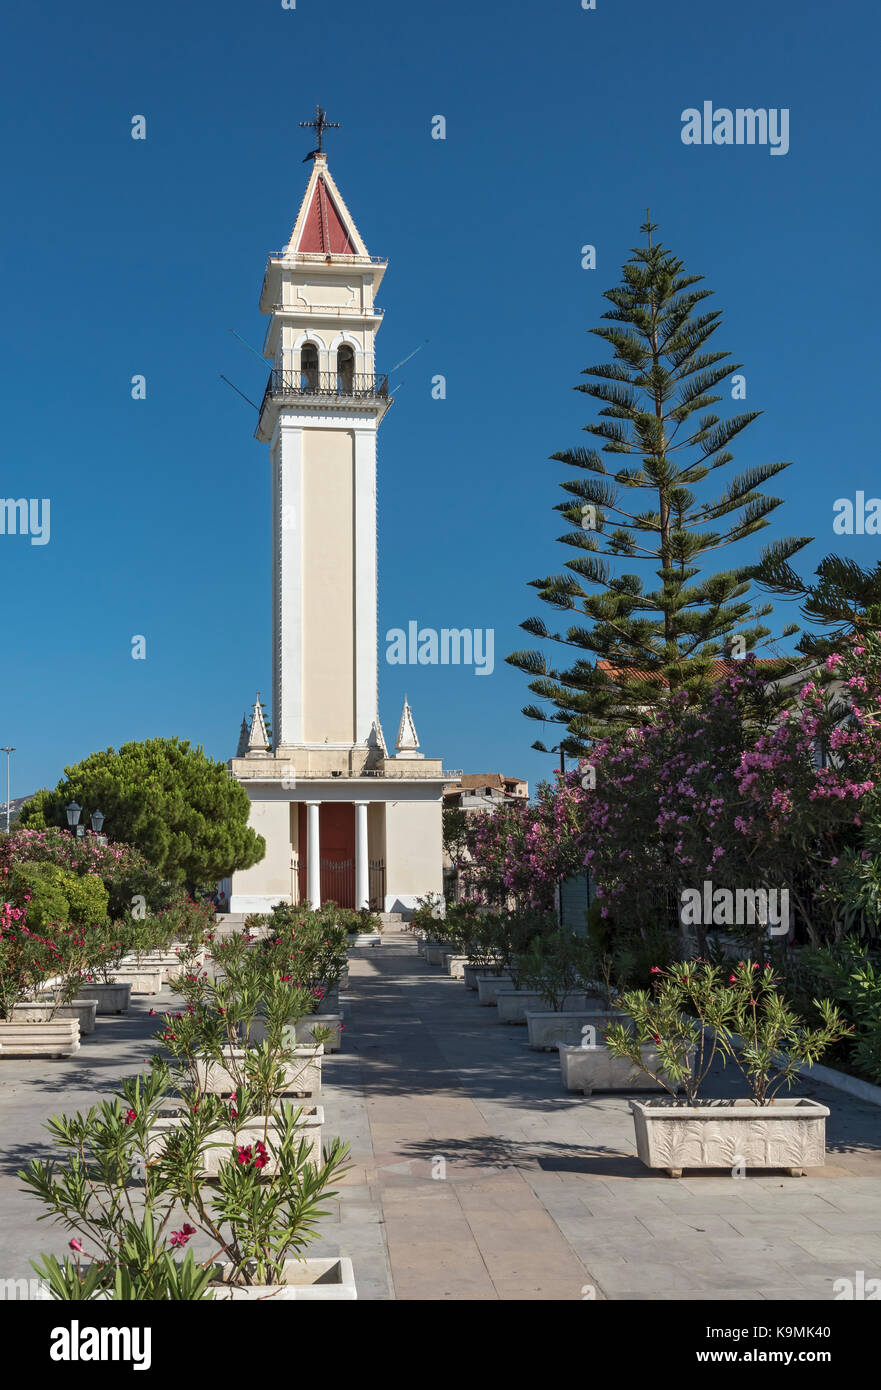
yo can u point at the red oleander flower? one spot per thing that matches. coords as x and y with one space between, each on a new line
130 1116
244 1154
180 1238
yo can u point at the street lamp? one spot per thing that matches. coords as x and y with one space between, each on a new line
7 750
74 812
97 819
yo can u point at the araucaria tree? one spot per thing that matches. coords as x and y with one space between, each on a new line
845 598
181 809
634 498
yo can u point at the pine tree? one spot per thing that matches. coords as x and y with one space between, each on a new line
847 597
655 397
180 808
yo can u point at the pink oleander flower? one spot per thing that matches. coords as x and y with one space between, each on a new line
76 1244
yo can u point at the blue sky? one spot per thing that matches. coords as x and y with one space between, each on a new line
123 257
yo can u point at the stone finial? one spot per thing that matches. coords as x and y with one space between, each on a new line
376 738
407 742
244 734
258 738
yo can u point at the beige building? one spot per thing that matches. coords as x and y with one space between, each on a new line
343 818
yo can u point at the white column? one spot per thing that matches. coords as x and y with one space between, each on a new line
366 611
362 875
313 854
287 585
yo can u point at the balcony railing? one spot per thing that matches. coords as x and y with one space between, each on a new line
311 385
304 310
309 256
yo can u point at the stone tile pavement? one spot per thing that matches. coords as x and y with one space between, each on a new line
543 1194
475 1176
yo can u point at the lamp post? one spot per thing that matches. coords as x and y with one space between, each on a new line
97 819
73 812
7 750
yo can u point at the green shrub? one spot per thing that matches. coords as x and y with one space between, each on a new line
557 965
853 976
87 898
43 891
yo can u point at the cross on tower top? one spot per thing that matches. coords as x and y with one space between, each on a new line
320 125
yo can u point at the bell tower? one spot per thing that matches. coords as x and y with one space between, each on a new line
342 819
320 416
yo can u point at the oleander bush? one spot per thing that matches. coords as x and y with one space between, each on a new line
123 1200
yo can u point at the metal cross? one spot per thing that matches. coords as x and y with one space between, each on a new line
320 124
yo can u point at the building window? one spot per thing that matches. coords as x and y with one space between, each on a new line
345 370
309 367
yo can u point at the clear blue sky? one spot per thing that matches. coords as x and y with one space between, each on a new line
122 257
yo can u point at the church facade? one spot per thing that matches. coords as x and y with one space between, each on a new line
343 818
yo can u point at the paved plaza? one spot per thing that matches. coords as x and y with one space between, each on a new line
475 1176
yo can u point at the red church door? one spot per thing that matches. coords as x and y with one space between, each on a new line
336 830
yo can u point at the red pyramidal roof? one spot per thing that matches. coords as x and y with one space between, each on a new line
324 229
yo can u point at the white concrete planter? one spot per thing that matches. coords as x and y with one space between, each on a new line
221 1144
436 950
789 1134
456 966
597 1068
471 973
547 1029
308 1281
488 986
168 962
41 1011
112 999
299 1034
142 980
513 1003
304 1026
60 1038
302 1075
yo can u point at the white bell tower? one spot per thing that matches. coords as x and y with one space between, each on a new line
340 817
320 417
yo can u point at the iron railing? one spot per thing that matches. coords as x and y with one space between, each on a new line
353 310
338 881
348 258
314 385
376 884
